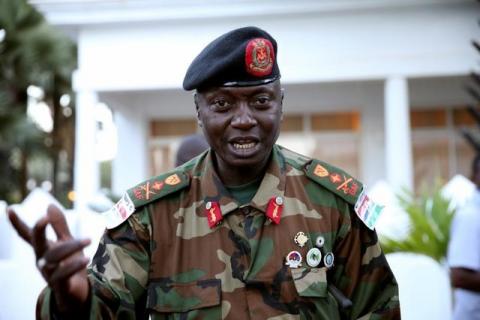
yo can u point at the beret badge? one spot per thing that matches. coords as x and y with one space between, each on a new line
259 57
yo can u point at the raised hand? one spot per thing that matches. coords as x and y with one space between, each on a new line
61 262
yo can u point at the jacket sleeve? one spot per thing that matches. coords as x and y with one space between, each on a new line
118 273
362 272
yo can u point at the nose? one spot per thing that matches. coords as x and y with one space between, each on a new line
243 118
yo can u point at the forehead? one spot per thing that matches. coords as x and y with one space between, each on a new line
272 88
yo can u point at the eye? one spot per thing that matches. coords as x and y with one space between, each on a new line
220 104
262 101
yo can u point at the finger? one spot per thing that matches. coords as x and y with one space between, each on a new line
22 229
58 222
65 250
68 269
39 239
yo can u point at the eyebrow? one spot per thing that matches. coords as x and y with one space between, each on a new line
228 90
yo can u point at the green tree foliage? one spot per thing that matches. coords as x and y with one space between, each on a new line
31 53
430 218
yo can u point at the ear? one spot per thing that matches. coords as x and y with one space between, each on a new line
281 103
197 108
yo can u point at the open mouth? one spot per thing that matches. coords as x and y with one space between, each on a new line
244 146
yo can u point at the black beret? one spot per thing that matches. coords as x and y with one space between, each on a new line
241 57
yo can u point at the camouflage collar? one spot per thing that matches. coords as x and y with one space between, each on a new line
272 185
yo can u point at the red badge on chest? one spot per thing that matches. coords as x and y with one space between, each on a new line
274 209
213 213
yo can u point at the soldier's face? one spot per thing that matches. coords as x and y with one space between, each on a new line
241 124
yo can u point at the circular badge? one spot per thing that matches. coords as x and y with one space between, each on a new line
328 260
300 239
259 57
320 241
314 257
294 259
279 200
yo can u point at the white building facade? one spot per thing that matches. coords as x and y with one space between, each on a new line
373 86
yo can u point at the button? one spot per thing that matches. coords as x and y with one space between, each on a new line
208 206
300 239
279 200
294 259
328 260
320 241
314 257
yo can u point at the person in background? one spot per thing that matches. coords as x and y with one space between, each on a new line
246 230
190 147
464 253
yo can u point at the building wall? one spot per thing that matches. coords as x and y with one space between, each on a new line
331 60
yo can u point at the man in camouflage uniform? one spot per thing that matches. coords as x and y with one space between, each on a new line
246 230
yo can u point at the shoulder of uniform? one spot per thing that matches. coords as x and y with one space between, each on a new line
346 187
145 193
293 158
158 187
335 180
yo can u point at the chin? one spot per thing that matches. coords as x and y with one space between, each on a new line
254 161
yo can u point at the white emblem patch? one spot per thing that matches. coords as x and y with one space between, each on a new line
119 212
367 210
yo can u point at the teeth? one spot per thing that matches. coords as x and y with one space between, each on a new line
244 146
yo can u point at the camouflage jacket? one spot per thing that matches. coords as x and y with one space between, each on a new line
171 260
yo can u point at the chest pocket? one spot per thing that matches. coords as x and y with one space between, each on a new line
197 300
310 282
311 285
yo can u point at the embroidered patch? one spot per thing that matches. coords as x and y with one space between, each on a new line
157 187
320 171
172 180
335 178
337 181
259 57
119 212
367 210
145 191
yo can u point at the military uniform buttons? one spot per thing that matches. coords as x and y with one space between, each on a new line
314 257
300 239
294 259
208 206
279 200
319 242
328 260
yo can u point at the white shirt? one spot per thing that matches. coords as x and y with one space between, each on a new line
464 252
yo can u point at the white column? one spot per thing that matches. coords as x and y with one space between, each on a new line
86 171
372 140
398 147
130 165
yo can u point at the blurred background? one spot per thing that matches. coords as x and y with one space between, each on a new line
91 103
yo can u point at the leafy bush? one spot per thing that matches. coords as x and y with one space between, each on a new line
430 218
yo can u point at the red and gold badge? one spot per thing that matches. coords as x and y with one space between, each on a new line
143 192
335 178
213 213
259 57
274 209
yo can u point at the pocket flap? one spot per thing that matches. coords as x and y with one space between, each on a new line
310 282
182 297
